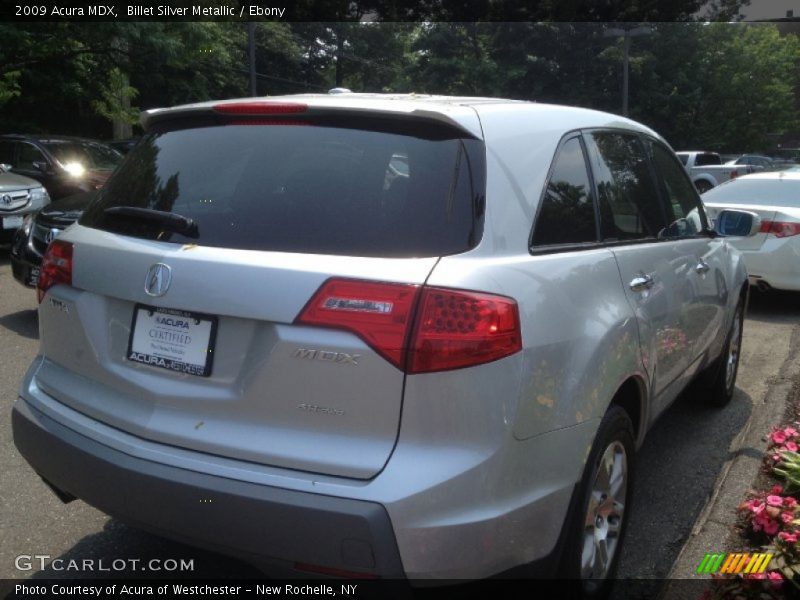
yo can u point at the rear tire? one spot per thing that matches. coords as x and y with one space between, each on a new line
723 385
702 186
598 523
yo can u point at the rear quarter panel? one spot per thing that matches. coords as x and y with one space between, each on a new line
580 338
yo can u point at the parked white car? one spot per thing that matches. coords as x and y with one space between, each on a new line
772 256
19 197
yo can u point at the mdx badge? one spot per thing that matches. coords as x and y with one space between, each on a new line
327 356
158 279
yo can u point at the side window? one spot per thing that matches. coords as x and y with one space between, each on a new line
567 212
683 206
629 202
29 154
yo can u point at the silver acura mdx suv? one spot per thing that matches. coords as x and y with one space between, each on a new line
367 335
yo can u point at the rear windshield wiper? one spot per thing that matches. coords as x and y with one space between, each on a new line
167 220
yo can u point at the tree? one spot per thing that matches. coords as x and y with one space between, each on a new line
719 86
115 105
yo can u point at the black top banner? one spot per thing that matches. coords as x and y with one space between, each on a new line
374 10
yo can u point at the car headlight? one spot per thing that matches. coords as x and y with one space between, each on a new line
75 169
39 197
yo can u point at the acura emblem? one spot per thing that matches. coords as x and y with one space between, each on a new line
158 279
51 235
6 199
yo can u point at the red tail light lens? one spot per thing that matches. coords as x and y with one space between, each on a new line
734 174
780 229
379 313
56 267
458 329
452 328
252 121
260 108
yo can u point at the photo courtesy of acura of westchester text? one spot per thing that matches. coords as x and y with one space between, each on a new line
400 300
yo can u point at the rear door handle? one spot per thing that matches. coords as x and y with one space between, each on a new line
702 267
641 283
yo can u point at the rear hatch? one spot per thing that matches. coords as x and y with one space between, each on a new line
192 270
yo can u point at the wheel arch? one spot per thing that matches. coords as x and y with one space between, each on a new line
631 396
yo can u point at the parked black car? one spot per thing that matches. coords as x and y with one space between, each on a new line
38 230
123 146
64 165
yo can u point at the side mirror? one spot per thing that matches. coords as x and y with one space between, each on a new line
5 167
737 223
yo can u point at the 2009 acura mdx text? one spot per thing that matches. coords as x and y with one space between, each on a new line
403 336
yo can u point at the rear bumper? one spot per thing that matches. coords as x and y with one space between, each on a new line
24 272
25 261
463 515
777 263
268 526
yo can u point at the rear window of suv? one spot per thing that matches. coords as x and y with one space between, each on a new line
386 189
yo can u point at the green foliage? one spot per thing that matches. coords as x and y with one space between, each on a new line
788 469
718 86
112 105
9 86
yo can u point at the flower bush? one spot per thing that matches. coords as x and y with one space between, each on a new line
770 514
783 441
771 521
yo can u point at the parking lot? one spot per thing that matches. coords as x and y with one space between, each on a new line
677 469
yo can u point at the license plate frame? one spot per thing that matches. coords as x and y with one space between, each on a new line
161 340
12 222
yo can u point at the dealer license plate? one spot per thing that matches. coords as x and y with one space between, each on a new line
172 339
12 222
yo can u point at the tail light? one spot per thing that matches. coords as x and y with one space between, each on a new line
378 313
734 174
419 330
457 329
260 108
780 229
56 267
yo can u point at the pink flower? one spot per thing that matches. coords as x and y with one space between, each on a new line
775 578
790 431
791 446
787 517
756 507
777 489
776 458
755 576
774 500
789 501
778 437
771 527
790 538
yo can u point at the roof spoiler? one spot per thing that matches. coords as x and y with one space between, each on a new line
150 118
